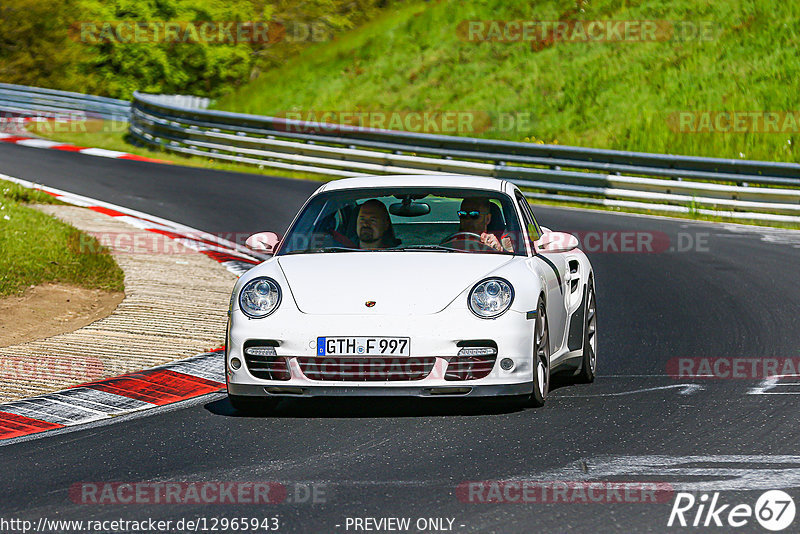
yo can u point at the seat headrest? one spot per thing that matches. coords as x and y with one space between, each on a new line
498 224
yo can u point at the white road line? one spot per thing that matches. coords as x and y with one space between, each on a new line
144 225
721 472
101 152
771 382
38 143
632 376
685 389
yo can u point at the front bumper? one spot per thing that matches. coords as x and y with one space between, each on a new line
453 389
435 335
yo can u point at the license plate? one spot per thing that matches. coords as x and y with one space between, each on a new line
363 346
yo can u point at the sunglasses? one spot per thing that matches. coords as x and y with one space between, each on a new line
471 214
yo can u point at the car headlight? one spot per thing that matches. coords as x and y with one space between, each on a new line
490 298
260 297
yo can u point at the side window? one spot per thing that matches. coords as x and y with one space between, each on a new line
527 208
533 230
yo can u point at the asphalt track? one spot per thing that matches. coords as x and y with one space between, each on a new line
734 296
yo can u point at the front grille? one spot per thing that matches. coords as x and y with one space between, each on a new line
366 369
267 367
469 367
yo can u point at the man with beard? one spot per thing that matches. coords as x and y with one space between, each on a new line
374 227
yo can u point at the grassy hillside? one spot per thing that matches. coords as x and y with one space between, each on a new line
39 248
619 95
90 46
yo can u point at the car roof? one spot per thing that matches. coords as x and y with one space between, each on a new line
416 180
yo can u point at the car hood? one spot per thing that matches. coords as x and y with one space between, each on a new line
400 283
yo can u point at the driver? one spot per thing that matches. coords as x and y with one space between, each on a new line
474 217
374 227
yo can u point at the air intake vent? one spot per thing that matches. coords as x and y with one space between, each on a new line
263 362
574 268
366 369
470 367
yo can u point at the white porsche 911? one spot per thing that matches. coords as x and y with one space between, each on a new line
424 286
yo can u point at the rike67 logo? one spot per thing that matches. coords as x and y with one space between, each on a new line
774 510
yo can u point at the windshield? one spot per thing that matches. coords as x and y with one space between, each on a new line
406 219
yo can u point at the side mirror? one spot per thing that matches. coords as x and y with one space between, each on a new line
264 242
555 242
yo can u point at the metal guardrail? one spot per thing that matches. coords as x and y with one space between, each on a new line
22 101
183 101
743 189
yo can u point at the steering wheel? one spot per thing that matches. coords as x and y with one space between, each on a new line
468 236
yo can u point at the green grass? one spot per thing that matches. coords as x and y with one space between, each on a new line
617 95
605 95
38 248
11 192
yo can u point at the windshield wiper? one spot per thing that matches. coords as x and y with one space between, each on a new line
448 249
324 249
428 247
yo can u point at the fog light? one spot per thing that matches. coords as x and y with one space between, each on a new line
236 363
477 351
260 351
506 364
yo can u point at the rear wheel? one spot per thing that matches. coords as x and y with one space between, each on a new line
589 361
252 405
541 358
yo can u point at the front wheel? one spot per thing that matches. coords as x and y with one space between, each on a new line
541 358
589 361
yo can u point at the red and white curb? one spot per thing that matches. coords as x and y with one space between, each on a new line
55 145
104 399
17 125
166 384
236 258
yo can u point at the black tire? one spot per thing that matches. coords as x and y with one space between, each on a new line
589 361
252 405
541 358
